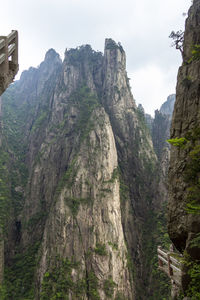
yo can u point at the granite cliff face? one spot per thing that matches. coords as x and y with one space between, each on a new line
160 134
184 220
167 107
161 125
82 218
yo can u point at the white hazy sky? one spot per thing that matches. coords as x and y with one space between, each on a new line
142 27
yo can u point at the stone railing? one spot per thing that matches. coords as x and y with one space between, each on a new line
8 59
170 263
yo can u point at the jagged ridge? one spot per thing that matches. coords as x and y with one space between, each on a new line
86 205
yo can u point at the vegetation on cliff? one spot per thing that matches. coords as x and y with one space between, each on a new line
184 172
84 206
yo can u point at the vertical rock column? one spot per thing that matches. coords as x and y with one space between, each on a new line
184 176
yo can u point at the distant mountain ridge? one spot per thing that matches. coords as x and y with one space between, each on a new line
168 106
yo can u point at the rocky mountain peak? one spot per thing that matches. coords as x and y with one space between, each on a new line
51 55
86 170
110 44
116 51
160 125
141 108
52 58
168 106
83 52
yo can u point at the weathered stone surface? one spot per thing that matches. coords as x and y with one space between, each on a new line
160 131
6 80
167 107
9 65
137 161
73 216
186 117
161 126
98 217
184 226
90 188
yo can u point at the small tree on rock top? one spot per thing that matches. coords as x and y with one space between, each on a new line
178 38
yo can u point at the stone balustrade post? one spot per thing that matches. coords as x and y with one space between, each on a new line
15 53
4 67
160 262
8 59
170 270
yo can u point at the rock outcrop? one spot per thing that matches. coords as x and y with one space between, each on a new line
82 179
184 201
167 107
160 134
161 126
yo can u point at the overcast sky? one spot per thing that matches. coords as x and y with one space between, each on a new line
141 26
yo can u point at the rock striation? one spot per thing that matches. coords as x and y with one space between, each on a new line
160 134
167 107
82 182
161 125
184 220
